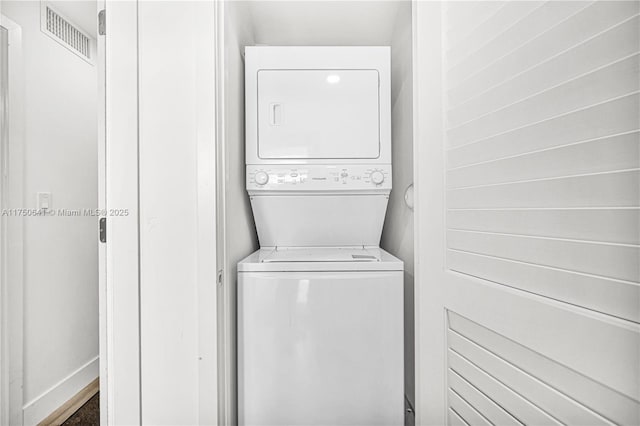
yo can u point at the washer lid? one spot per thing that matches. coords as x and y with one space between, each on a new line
320 255
320 259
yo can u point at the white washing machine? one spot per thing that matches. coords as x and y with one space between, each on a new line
320 305
320 337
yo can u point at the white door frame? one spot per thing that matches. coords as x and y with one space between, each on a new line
430 406
209 108
12 236
120 257
119 302
102 205
225 324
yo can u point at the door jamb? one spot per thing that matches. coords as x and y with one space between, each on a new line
120 339
12 236
102 205
225 373
428 128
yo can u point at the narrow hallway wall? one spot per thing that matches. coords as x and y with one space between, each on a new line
60 252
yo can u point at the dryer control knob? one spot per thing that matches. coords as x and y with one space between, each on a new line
261 178
377 177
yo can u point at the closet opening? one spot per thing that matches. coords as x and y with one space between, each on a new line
313 23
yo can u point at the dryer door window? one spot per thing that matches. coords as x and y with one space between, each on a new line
318 114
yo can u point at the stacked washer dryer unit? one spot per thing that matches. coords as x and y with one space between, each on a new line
320 305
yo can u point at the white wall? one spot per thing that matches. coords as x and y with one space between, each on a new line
60 253
240 229
236 223
397 235
324 23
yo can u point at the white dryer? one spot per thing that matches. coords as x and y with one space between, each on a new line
320 305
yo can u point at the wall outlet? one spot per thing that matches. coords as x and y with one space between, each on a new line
44 200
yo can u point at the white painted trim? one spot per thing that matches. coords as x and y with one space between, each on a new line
102 205
4 365
53 398
430 319
224 323
122 304
120 382
11 372
207 107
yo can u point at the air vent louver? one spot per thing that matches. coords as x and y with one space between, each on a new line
64 32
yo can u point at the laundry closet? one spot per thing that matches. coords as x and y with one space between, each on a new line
517 122
301 221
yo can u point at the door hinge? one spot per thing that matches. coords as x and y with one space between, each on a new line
219 277
102 24
103 229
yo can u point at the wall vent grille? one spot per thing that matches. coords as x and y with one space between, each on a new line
64 32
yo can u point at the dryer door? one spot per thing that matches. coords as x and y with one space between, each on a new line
318 114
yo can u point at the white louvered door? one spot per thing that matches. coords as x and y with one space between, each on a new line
527 172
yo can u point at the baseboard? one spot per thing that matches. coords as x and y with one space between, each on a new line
77 384
61 415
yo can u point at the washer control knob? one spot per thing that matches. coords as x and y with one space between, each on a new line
261 178
377 177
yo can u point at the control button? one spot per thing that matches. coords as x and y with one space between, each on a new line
377 177
344 174
261 178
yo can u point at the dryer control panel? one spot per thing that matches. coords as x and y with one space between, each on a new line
315 177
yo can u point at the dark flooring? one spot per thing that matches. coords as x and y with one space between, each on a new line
88 414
